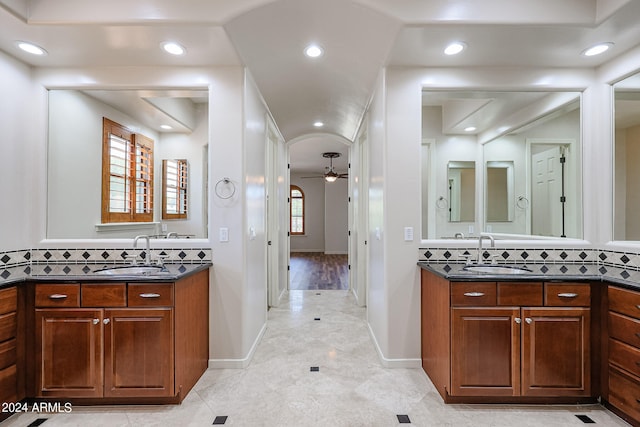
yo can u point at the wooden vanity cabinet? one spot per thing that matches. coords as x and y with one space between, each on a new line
118 340
506 340
624 353
9 382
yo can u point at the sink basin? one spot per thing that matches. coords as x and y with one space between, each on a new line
132 270
496 269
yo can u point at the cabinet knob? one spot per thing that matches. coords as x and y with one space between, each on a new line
567 295
57 296
96 321
528 320
150 295
518 320
474 294
106 321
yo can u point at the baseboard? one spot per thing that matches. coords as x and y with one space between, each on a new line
319 251
238 363
336 253
393 363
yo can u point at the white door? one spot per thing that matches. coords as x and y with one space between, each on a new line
546 207
273 240
361 218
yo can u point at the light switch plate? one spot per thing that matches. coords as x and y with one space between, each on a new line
408 234
224 234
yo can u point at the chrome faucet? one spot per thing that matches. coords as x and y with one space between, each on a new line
459 235
493 244
172 234
147 250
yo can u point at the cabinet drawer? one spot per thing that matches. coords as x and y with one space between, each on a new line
519 293
473 293
8 300
624 356
624 393
104 295
623 328
624 301
9 384
150 294
567 294
67 295
8 326
8 353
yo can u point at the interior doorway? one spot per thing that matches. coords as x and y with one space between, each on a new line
319 213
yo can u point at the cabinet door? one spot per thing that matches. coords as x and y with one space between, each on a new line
139 356
69 352
485 352
556 352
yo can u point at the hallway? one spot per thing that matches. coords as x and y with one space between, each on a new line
328 331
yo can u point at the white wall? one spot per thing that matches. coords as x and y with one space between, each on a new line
336 217
21 151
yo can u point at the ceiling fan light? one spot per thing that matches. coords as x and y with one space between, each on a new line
330 178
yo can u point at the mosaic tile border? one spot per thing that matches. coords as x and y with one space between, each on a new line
101 256
620 259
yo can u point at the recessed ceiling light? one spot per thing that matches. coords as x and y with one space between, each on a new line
173 48
31 48
166 127
313 51
597 49
470 129
454 48
318 124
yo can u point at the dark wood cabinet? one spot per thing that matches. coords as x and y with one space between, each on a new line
137 356
623 344
117 341
9 348
485 351
69 351
507 341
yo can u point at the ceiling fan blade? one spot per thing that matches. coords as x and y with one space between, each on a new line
316 176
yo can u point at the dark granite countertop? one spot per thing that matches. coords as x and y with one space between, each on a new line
542 272
87 272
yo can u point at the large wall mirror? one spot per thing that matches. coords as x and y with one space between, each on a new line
627 158
528 147
176 123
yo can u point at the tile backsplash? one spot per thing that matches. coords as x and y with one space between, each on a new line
628 260
100 256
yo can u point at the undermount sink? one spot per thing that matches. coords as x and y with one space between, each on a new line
496 269
132 270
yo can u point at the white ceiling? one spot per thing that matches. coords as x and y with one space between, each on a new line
358 36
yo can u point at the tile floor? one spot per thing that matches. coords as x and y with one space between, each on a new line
350 387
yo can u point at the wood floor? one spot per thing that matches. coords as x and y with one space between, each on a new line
315 270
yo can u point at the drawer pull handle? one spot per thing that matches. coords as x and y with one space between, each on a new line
528 320
96 321
150 295
106 321
474 294
638 306
567 295
57 296
518 320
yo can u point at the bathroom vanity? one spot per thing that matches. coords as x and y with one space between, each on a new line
90 338
553 335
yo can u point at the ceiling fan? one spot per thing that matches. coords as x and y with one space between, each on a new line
330 175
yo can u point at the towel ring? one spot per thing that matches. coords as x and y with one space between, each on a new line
522 203
225 188
442 203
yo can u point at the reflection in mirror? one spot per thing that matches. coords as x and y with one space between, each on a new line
177 122
174 188
536 133
499 182
461 178
626 159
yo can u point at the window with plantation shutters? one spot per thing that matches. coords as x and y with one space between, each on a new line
297 211
127 175
174 189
